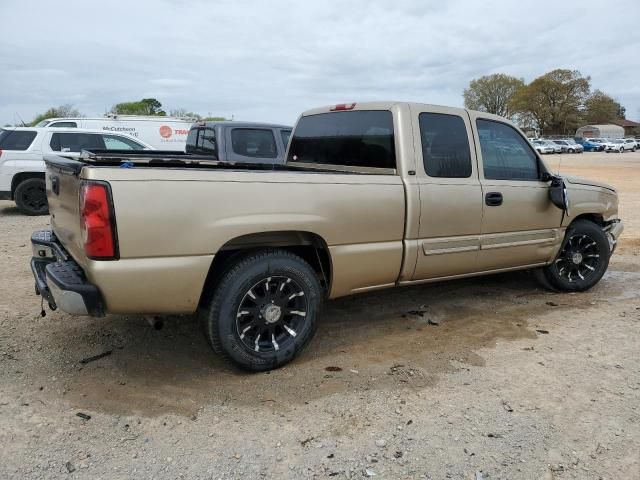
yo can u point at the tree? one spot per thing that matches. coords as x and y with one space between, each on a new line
216 119
183 112
146 106
554 100
601 108
492 93
63 111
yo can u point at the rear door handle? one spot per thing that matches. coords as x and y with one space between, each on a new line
493 199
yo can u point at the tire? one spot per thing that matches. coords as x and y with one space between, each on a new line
582 261
621 150
571 150
31 197
271 292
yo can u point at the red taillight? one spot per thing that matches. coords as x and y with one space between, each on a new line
96 221
343 106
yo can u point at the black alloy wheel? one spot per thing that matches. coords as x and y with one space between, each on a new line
263 310
578 259
582 261
271 314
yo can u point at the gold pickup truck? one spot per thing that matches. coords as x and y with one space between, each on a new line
372 195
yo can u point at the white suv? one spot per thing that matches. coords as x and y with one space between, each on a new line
21 159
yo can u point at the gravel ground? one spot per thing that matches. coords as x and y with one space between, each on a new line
512 383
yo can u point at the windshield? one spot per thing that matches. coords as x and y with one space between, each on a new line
616 141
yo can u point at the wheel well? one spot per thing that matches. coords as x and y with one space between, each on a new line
18 178
309 246
592 217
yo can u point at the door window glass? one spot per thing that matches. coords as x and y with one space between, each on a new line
445 145
285 137
76 142
505 154
253 142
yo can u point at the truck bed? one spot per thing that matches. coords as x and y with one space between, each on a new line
170 159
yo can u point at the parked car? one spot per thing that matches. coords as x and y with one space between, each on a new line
162 133
590 146
578 148
618 145
567 147
630 144
371 196
542 147
239 141
556 148
21 159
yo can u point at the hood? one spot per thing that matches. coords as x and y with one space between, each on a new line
591 183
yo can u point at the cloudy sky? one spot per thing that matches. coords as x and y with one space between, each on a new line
270 60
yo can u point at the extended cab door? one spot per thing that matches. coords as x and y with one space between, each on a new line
450 193
520 225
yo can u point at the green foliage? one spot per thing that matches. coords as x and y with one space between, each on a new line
493 94
216 119
146 106
554 100
62 111
601 108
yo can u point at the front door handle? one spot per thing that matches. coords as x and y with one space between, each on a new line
493 199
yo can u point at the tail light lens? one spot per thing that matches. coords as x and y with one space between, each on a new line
97 221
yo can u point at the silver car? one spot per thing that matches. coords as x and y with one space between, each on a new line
542 147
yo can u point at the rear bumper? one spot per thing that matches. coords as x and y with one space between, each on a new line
60 280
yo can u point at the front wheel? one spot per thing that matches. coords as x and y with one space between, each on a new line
571 150
582 260
31 197
264 310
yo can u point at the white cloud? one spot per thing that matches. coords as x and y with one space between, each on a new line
268 61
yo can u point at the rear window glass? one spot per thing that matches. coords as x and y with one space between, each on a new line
253 142
16 139
361 138
445 146
201 141
76 142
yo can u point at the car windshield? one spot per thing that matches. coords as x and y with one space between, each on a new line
616 141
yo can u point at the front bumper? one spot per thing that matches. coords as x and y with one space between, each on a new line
60 280
614 230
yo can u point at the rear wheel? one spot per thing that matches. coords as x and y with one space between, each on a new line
31 197
582 261
264 310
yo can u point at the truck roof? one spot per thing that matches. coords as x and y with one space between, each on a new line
239 124
388 105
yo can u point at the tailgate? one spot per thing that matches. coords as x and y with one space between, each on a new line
63 187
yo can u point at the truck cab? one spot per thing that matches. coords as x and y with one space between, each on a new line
239 141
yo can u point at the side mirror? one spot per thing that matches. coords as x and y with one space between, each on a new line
558 194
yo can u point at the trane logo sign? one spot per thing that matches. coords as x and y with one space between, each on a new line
166 131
